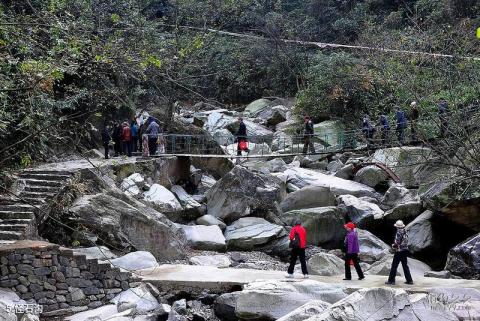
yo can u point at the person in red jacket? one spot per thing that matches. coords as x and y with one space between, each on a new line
127 139
298 243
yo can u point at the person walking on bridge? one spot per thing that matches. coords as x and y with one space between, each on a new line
400 246
443 116
308 136
401 119
368 130
298 244
117 138
242 141
385 127
352 248
414 115
106 139
152 131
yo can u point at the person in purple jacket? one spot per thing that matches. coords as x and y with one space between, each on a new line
352 248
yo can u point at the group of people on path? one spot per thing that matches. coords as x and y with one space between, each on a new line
298 244
402 120
139 135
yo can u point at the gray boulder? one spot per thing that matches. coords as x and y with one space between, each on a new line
135 261
202 237
191 208
404 211
258 106
211 220
307 197
140 298
251 233
124 225
95 252
274 299
325 264
243 193
464 259
382 267
307 310
224 306
335 166
397 194
420 233
162 199
346 172
371 176
324 225
359 211
273 115
9 299
372 248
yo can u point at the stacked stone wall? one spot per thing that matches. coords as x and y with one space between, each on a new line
57 279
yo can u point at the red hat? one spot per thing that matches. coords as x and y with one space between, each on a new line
350 225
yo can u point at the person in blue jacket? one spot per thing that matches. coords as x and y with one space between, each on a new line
401 119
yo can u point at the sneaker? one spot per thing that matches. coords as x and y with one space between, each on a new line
389 283
289 276
347 279
362 278
305 276
409 282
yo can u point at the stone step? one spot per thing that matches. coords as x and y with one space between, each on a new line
15 220
5 242
47 189
41 182
10 235
16 215
53 172
45 177
36 194
13 227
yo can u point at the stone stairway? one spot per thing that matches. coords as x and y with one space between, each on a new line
17 213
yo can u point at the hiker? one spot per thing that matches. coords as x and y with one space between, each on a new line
352 248
413 117
117 138
152 131
368 130
242 142
127 139
134 130
308 136
400 246
401 125
443 116
298 243
106 139
385 127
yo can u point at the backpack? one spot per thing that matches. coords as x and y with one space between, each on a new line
295 243
243 145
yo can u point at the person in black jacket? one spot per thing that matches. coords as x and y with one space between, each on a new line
106 139
241 137
308 136
117 138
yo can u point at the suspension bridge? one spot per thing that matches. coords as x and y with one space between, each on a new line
425 131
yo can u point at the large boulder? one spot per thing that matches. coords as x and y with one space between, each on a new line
191 208
210 220
302 177
371 176
101 253
8 301
382 267
307 310
346 172
202 237
272 299
324 225
139 298
274 115
132 184
379 304
372 248
406 211
307 197
397 194
325 264
224 306
249 233
258 106
123 225
358 211
243 193
162 199
257 133
329 132
420 233
223 137
404 161
464 259
135 261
